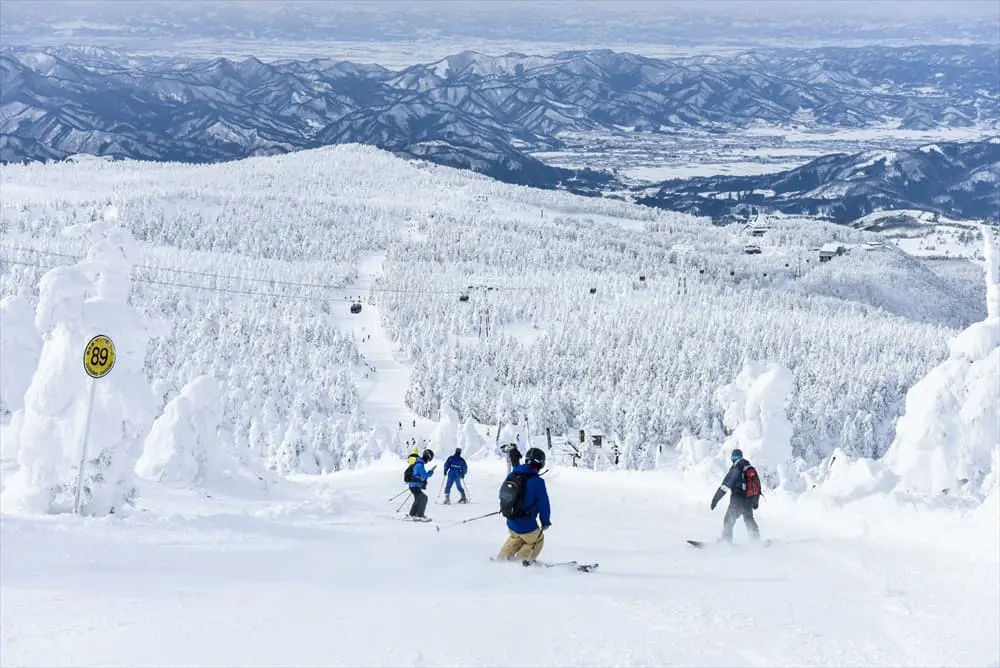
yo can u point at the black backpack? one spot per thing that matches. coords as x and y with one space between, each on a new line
408 473
512 496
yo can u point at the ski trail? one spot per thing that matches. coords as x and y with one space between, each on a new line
383 385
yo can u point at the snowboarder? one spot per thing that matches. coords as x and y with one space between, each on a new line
418 482
513 456
455 468
523 498
743 486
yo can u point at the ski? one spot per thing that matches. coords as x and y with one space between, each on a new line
407 518
585 568
765 542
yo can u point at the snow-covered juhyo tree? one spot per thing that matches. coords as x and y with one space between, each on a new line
473 445
948 438
183 443
76 303
754 405
20 347
444 439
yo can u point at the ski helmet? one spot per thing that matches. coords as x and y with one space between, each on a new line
458 451
535 457
737 455
428 455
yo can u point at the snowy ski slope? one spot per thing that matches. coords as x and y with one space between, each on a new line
326 575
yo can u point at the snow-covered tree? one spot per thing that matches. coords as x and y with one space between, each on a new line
20 347
948 438
754 411
184 443
472 444
445 437
75 303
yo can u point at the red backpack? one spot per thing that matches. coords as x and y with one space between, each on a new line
752 484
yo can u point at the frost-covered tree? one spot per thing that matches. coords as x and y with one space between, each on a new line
75 303
472 444
754 412
20 347
948 438
183 443
445 437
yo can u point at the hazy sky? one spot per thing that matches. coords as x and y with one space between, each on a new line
494 25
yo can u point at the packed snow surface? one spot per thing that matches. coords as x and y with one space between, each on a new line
323 572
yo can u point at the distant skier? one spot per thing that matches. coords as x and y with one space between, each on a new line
513 456
455 468
416 476
523 498
743 486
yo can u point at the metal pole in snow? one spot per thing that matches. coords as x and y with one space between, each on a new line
83 450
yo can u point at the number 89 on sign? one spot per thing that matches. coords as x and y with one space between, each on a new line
99 357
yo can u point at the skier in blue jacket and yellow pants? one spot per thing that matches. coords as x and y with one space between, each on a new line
526 538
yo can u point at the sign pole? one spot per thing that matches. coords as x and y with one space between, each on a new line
83 450
98 360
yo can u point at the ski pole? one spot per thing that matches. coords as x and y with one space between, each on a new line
440 490
405 490
471 519
400 507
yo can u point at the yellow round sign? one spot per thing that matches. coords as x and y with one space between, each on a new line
99 357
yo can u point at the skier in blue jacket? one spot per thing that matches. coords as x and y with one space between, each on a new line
455 468
526 538
418 481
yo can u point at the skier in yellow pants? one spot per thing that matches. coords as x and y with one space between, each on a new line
524 501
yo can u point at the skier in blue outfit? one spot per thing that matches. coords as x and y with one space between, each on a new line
417 481
523 498
455 468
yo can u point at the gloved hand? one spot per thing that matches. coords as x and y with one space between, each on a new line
718 496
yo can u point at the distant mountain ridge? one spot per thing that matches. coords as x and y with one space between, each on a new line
957 179
467 110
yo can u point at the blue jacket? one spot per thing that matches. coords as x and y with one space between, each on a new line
536 500
455 467
420 474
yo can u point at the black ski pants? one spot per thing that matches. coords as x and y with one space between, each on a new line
738 508
419 502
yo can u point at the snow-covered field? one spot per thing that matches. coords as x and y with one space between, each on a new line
321 572
242 451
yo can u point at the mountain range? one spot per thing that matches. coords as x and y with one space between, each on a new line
957 179
468 110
